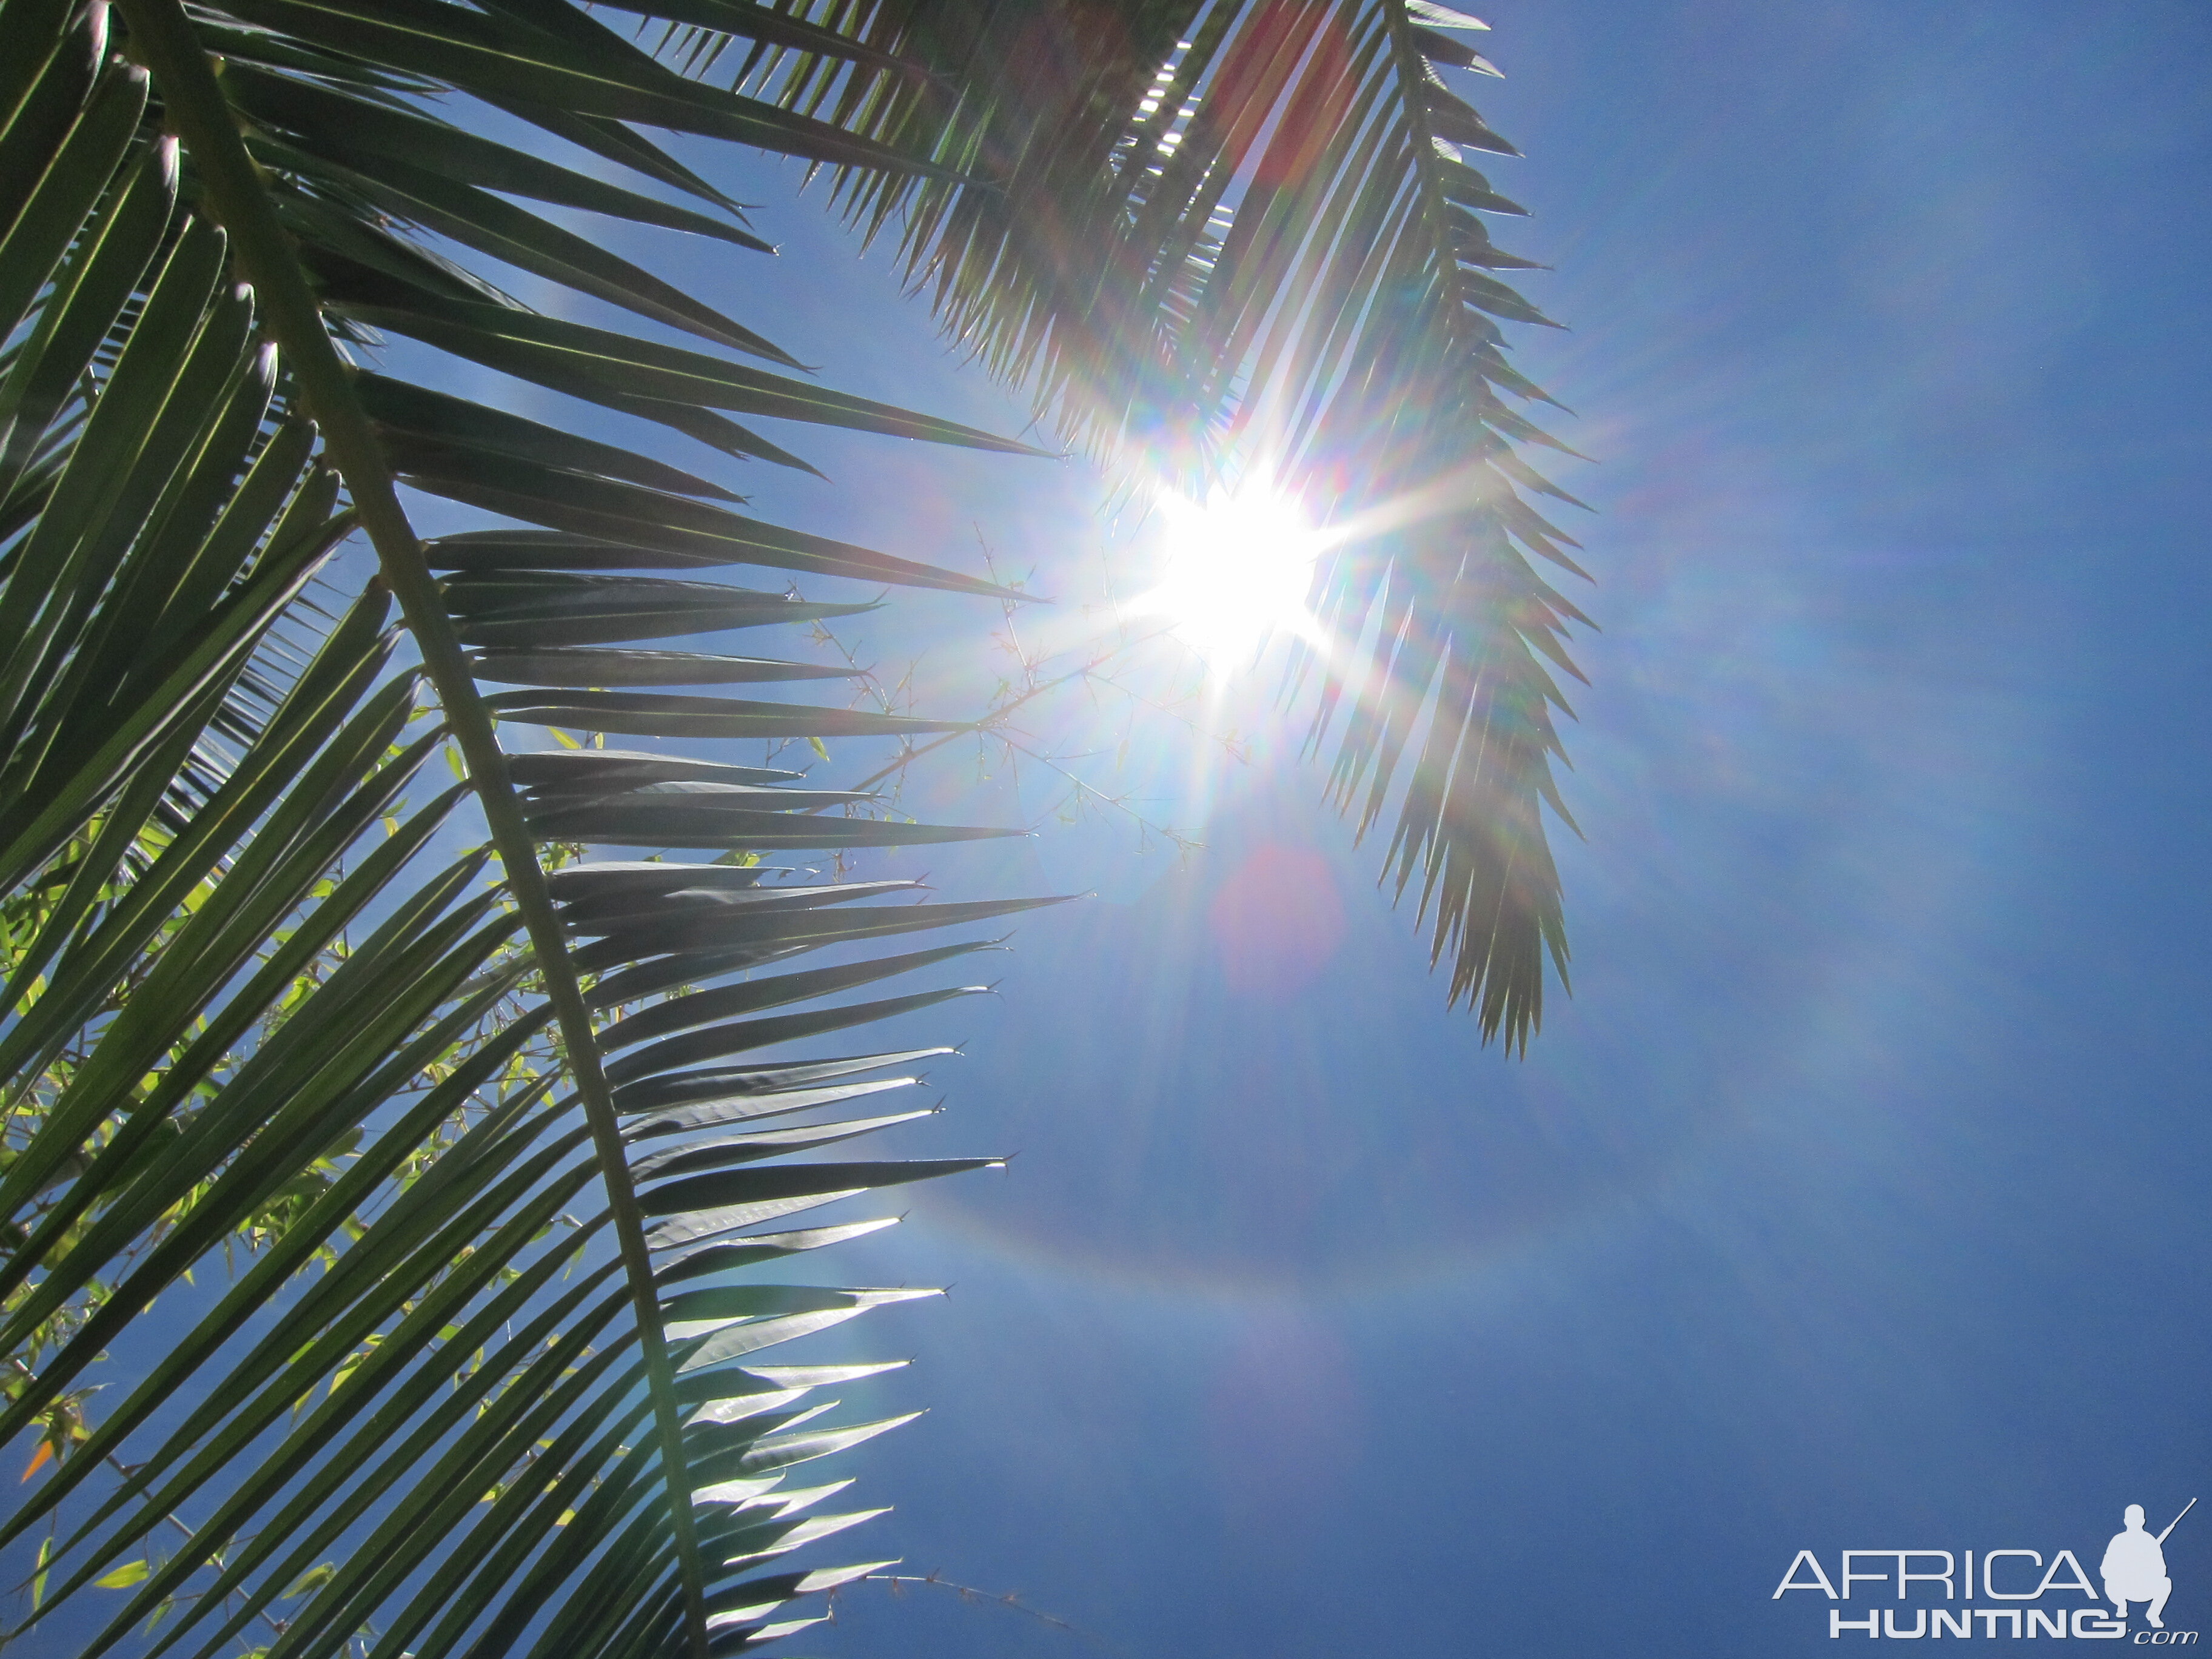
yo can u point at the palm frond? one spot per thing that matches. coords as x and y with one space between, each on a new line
491 1116
1247 234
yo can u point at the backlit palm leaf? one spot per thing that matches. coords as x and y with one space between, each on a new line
1247 233
511 1399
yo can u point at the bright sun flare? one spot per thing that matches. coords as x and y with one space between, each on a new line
1237 568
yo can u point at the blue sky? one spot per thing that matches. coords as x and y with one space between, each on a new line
1855 1199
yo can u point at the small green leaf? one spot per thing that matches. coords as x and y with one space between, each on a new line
314 1579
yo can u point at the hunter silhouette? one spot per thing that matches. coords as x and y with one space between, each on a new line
2134 1568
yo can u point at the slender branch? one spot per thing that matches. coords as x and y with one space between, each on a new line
162 39
899 1580
997 716
231 1600
1079 788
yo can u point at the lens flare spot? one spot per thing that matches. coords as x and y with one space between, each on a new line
1277 922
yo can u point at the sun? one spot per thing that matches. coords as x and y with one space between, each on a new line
1237 568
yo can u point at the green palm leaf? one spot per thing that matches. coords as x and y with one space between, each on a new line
254 995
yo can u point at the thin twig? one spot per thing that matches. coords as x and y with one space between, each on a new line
1010 1601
